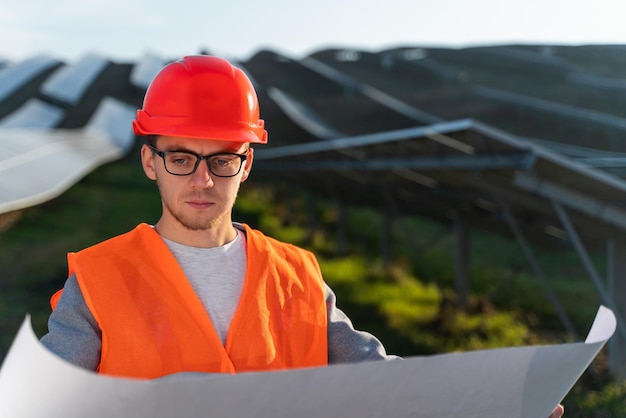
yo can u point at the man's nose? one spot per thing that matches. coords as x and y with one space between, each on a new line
202 176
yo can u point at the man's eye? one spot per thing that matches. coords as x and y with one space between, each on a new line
181 159
222 161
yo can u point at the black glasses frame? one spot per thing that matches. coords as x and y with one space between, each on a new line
199 158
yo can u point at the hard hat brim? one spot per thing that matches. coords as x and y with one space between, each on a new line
145 124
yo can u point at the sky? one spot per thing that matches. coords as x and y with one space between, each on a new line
127 29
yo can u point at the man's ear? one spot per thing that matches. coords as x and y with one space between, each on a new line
147 161
247 165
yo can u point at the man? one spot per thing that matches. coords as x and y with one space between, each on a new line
196 292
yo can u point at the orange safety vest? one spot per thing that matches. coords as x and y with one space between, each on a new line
153 323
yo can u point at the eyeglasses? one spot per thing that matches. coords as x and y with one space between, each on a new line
183 163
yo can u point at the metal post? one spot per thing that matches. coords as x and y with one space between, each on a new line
617 288
595 277
385 242
341 228
534 264
462 260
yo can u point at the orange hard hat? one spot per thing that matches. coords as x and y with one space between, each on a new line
201 97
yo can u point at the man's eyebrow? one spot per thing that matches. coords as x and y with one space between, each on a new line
177 148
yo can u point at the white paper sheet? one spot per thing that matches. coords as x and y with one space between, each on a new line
508 382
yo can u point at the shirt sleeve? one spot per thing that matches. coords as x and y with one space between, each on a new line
346 344
73 333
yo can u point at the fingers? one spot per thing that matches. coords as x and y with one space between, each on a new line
558 412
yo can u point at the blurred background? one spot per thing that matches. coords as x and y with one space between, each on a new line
458 168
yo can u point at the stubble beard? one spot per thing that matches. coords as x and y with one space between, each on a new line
194 224
189 222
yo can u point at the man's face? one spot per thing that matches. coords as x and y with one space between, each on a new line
199 201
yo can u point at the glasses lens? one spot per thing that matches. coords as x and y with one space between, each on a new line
225 165
180 163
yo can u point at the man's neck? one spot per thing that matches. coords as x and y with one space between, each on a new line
215 236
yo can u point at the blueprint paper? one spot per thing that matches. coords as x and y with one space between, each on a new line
514 382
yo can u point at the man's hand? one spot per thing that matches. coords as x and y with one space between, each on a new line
558 412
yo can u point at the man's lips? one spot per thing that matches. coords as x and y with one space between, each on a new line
199 204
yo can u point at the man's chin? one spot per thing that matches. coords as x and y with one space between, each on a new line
198 225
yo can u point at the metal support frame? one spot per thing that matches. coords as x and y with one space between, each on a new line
538 271
342 241
588 192
389 215
617 266
461 264
386 232
511 161
597 281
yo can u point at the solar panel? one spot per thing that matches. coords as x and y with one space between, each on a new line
12 77
69 83
33 114
145 69
114 118
49 164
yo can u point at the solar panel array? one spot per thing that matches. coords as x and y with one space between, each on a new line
335 93
40 159
518 139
